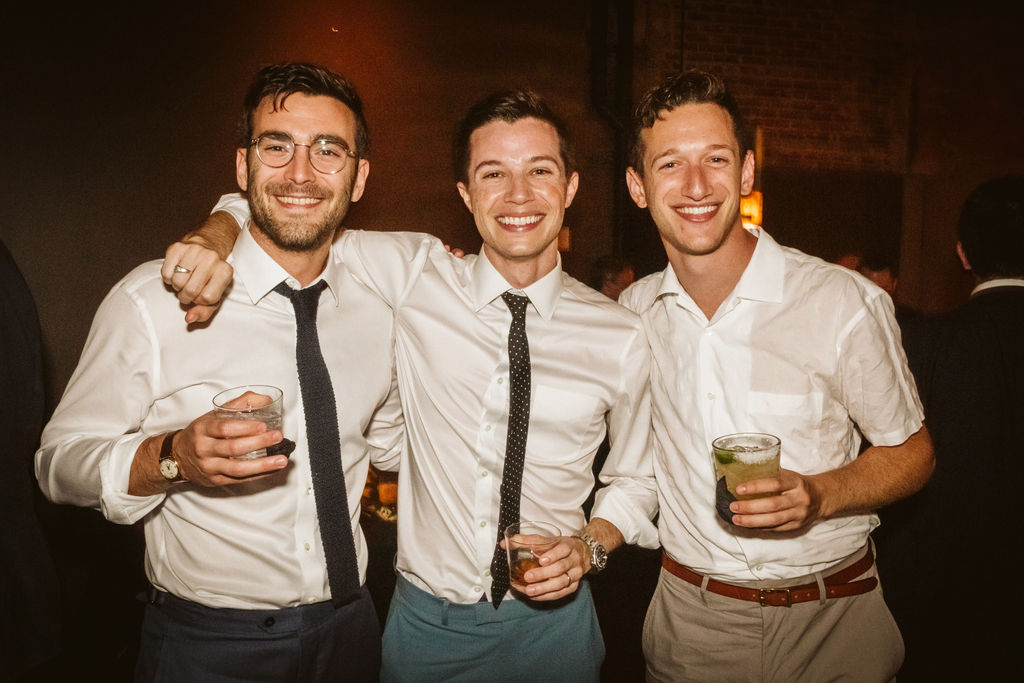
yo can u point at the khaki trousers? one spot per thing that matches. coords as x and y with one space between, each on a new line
695 635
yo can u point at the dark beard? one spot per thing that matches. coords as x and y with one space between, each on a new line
296 235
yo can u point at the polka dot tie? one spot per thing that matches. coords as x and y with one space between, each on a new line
515 444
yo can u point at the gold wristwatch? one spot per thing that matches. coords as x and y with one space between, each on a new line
169 468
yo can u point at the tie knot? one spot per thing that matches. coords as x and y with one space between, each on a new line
306 295
516 303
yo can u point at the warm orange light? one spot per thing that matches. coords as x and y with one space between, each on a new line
751 208
564 239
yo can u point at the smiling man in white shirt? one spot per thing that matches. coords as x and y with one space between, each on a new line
589 363
750 336
241 589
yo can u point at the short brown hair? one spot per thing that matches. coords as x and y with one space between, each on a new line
508 106
278 81
688 87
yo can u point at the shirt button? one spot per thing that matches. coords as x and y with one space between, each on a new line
487 428
483 524
500 380
306 546
759 567
711 397
477 589
487 572
309 490
483 475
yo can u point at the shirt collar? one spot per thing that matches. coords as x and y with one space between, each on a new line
259 273
762 279
998 282
487 284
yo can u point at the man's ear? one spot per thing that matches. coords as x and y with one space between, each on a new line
747 176
359 182
636 188
963 257
467 199
242 168
570 188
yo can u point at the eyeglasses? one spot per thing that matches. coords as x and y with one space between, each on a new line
326 155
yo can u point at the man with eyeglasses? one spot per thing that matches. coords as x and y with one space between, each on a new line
256 565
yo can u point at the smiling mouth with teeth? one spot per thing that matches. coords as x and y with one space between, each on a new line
519 221
697 210
299 201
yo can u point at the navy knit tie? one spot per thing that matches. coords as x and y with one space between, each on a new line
324 446
515 444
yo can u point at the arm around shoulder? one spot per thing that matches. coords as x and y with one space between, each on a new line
197 268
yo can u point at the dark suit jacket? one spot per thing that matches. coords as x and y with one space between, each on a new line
29 593
945 554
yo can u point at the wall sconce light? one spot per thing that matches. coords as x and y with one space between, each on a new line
751 208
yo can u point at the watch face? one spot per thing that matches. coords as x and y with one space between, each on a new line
169 468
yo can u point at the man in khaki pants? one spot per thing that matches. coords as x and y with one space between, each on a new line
750 336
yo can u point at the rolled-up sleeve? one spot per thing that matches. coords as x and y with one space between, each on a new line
87 448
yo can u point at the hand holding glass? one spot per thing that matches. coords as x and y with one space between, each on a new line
525 543
258 402
740 458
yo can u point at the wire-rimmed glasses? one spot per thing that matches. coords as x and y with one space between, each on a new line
326 155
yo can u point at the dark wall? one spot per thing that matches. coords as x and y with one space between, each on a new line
120 125
829 214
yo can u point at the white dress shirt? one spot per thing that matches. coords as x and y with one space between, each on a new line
802 349
589 366
142 372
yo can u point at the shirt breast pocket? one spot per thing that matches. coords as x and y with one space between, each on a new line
791 417
565 421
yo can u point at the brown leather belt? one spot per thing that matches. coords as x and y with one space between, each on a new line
838 585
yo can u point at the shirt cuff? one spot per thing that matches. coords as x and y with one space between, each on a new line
115 474
633 522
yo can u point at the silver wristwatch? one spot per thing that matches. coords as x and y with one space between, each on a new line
598 555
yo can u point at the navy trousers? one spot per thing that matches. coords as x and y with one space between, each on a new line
185 641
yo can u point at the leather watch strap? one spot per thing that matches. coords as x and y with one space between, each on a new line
167 456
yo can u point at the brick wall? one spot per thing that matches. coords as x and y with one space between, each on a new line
827 80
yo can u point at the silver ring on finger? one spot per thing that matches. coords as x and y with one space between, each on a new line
182 269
